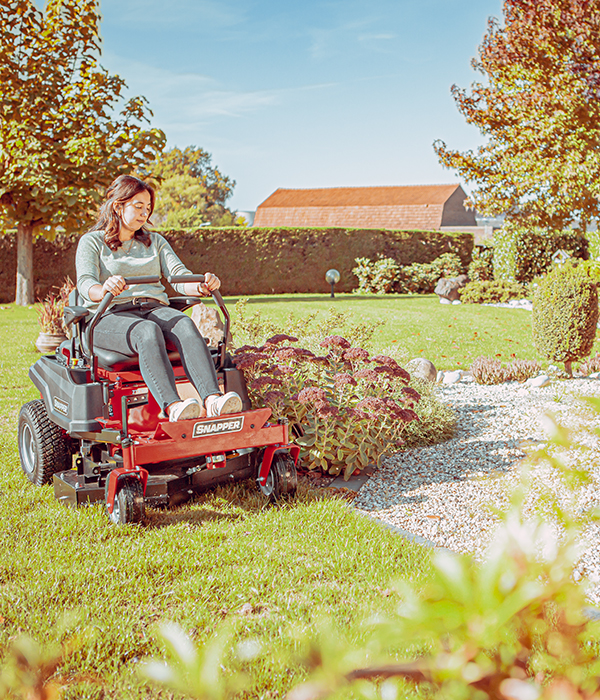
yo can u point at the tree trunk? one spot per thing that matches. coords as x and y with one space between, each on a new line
24 290
569 367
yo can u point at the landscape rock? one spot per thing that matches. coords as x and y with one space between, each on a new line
452 377
209 324
423 369
447 287
542 380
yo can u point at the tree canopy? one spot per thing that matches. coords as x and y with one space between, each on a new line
540 112
190 191
62 136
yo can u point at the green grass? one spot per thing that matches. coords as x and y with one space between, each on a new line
419 326
196 565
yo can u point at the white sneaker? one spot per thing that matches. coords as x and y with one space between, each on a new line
220 405
184 410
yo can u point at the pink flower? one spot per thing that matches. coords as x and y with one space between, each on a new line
372 406
283 370
248 360
355 414
287 353
262 382
342 379
274 398
385 360
311 394
281 338
334 341
325 410
355 354
409 391
247 348
320 360
370 375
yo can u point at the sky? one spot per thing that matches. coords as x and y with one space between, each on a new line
303 94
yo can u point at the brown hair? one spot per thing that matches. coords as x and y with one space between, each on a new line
120 191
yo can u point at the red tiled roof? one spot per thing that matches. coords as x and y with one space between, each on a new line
408 195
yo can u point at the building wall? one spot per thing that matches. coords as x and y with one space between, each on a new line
423 217
455 213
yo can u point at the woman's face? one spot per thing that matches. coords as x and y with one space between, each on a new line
135 211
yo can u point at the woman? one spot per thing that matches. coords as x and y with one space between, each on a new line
139 320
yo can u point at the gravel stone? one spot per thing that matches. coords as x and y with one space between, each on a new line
447 493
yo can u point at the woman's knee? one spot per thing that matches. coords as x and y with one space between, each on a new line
186 330
147 334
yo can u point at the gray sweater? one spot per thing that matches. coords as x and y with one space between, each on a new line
96 262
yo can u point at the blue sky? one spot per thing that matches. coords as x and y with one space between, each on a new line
305 94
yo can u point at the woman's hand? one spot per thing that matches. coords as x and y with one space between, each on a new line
210 284
115 285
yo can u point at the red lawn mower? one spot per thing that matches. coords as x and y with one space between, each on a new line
98 434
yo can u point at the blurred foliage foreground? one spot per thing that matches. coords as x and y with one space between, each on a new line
512 628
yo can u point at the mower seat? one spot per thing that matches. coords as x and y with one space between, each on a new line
116 362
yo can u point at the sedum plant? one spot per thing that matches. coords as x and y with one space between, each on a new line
347 410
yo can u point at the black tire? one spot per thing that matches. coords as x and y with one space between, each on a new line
128 506
44 449
282 480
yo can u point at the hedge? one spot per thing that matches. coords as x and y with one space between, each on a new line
522 254
256 260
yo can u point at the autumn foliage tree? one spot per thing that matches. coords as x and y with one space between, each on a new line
190 190
540 112
62 138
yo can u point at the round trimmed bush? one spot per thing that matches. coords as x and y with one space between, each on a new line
565 314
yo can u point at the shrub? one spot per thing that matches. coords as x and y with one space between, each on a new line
346 409
565 314
376 276
489 370
491 292
436 421
384 275
522 253
481 268
486 370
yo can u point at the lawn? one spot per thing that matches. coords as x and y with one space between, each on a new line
419 326
228 558
197 565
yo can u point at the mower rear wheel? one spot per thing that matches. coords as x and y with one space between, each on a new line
44 449
128 505
282 480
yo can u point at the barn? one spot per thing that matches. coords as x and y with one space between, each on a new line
408 207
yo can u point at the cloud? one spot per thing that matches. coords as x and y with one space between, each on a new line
181 102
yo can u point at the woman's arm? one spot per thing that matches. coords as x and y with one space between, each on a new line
172 265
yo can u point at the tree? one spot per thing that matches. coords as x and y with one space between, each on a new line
190 191
61 142
540 112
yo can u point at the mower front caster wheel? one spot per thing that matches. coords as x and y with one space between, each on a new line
282 480
128 504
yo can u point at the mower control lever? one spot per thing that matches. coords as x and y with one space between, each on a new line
216 295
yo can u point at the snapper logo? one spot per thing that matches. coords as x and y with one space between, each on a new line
216 427
60 406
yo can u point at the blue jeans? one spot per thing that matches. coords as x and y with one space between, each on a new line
145 332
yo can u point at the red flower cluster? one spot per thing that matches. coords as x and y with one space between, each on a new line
311 394
261 382
334 341
369 375
249 359
281 338
355 354
343 379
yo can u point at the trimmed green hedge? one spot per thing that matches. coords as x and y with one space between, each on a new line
257 260
521 254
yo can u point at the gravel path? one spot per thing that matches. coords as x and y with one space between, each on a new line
443 492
